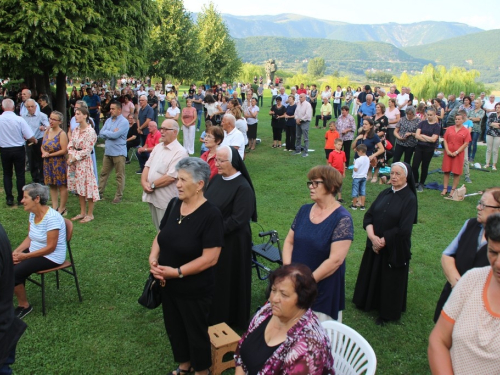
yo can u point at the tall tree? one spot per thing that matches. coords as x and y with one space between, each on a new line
175 48
316 67
42 38
221 61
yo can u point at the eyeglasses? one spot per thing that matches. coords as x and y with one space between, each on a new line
481 205
54 119
166 129
220 161
313 183
208 136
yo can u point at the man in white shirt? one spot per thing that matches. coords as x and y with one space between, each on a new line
274 93
38 123
284 97
402 101
13 132
303 115
232 136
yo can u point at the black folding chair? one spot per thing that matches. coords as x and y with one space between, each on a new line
267 251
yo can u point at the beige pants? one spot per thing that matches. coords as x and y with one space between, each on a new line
108 163
157 215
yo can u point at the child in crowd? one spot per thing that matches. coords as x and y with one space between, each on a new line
361 165
469 125
208 124
337 160
330 136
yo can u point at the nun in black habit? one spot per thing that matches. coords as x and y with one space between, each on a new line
383 275
231 190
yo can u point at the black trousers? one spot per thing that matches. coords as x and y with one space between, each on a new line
422 159
389 135
35 160
400 150
29 266
313 106
336 109
290 137
325 119
277 133
186 322
346 147
13 158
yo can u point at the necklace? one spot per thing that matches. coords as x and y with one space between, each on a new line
182 217
322 211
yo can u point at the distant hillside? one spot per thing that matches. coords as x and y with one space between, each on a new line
346 57
296 26
477 51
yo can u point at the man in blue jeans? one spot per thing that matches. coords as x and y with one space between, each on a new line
11 327
198 104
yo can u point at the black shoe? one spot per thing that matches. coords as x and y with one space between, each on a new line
381 321
138 172
340 200
21 312
362 208
127 161
10 202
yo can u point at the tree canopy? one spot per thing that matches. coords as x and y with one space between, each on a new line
316 67
221 61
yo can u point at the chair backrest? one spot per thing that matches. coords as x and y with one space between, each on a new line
352 354
69 229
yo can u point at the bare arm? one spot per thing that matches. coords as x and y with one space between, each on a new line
450 269
207 259
52 236
438 351
288 247
338 252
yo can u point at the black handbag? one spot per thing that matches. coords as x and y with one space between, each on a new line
151 297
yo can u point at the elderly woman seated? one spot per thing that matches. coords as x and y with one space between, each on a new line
465 339
44 247
285 336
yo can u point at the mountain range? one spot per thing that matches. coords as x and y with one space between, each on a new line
297 26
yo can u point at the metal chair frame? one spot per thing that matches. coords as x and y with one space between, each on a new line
63 267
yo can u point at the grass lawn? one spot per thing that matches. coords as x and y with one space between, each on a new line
110 333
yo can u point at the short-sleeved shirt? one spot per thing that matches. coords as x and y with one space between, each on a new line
367 110
152 140
161 162
13 130
38 235
337 160
181 243
326 109
429 130
198 106
146 113
475 340
330 137
92 101
234 138
391 116
407 126
370 144
173 111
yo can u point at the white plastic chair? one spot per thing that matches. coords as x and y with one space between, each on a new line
352 354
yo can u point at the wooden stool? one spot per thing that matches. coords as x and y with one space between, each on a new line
224 340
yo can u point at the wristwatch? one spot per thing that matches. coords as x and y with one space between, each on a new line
180 273
153 186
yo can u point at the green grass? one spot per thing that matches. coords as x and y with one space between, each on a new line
110 333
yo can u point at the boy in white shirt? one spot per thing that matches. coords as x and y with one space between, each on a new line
361 165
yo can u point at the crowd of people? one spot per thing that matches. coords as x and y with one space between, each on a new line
202 207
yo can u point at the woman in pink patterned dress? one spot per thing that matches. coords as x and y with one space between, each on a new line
285 336
81 177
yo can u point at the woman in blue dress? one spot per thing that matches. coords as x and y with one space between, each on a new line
320 237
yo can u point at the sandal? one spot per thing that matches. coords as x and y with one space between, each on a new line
374 179
451 194
64 212
493 168
77 217
444 192
87 218
179 371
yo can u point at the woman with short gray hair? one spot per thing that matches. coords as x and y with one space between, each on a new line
44 247
182 258
405 136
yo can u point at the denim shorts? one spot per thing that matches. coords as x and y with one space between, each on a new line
358 187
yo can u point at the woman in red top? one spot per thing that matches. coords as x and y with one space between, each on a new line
213 138
456 139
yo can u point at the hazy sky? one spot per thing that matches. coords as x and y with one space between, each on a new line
485 14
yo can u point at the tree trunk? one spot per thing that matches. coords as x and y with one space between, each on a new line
112 83
60 103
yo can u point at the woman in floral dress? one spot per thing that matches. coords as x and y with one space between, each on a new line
81 177
54 150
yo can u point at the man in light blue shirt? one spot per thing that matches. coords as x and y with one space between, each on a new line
114 132
38 123
367 109
13 133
